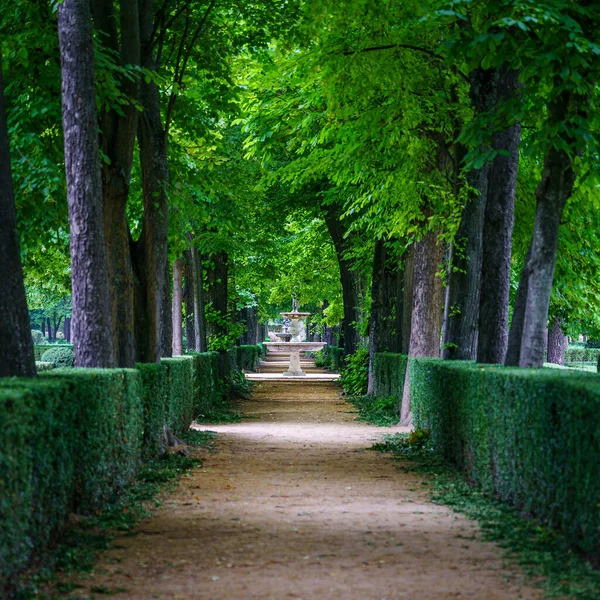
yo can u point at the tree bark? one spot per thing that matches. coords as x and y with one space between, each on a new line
200 329
151 251
188 299
43 319
350 280
249 315
217 296
384 294
16 350
51 338
427 309
68 329
407 297
497 236
557 343
166 315
527 333
92 330
117 138
177 307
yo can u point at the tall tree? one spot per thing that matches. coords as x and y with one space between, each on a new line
16 350
91 325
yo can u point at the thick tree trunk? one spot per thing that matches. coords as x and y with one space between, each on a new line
350 280
177 307
460 335
188 299
249 316
497 236
117 138
92 330
151 254
398 337
16 349
527 335
427 309
384 294
51 338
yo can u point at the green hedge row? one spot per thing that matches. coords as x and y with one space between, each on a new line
389 370
332 358
249 357
580 354
71 439
530 437
39 349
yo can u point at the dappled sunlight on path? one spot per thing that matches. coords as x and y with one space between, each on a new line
294 505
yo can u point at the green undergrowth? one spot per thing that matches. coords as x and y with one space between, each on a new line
380 411
89 536
538 550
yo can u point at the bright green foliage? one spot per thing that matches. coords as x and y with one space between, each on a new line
38 350
60 356
355 373
389 371
529 437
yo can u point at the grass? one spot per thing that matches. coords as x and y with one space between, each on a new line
377 411
537 549
84 540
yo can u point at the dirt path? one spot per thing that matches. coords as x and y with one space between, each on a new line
293 506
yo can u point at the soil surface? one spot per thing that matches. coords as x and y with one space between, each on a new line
293 505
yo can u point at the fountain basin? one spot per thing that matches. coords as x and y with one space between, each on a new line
294 348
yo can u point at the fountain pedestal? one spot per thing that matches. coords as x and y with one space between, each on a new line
294 348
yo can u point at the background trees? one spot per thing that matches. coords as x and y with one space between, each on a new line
370 158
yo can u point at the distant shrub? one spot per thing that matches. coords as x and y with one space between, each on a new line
43 366
59 357
38 337
355 374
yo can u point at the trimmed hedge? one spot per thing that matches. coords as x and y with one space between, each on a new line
72 438
530 437
39 349
581 354
59 357
249 357
389 370
332 358
41 366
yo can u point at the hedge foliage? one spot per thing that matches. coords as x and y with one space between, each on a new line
249 357
39 349
530 437
41 366
581 354
71 439
331 357
389 370
59 356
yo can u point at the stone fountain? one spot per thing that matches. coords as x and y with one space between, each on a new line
294 346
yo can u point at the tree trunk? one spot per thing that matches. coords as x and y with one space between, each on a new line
117 138
68 329
92 331
200 329
43 321
16 350
188 299
460 334
177 307
497 236
249 315
151 254
51 338
384 294
399 334
217 286
166 315
557 344
407 297
350 280
427 310
527 333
